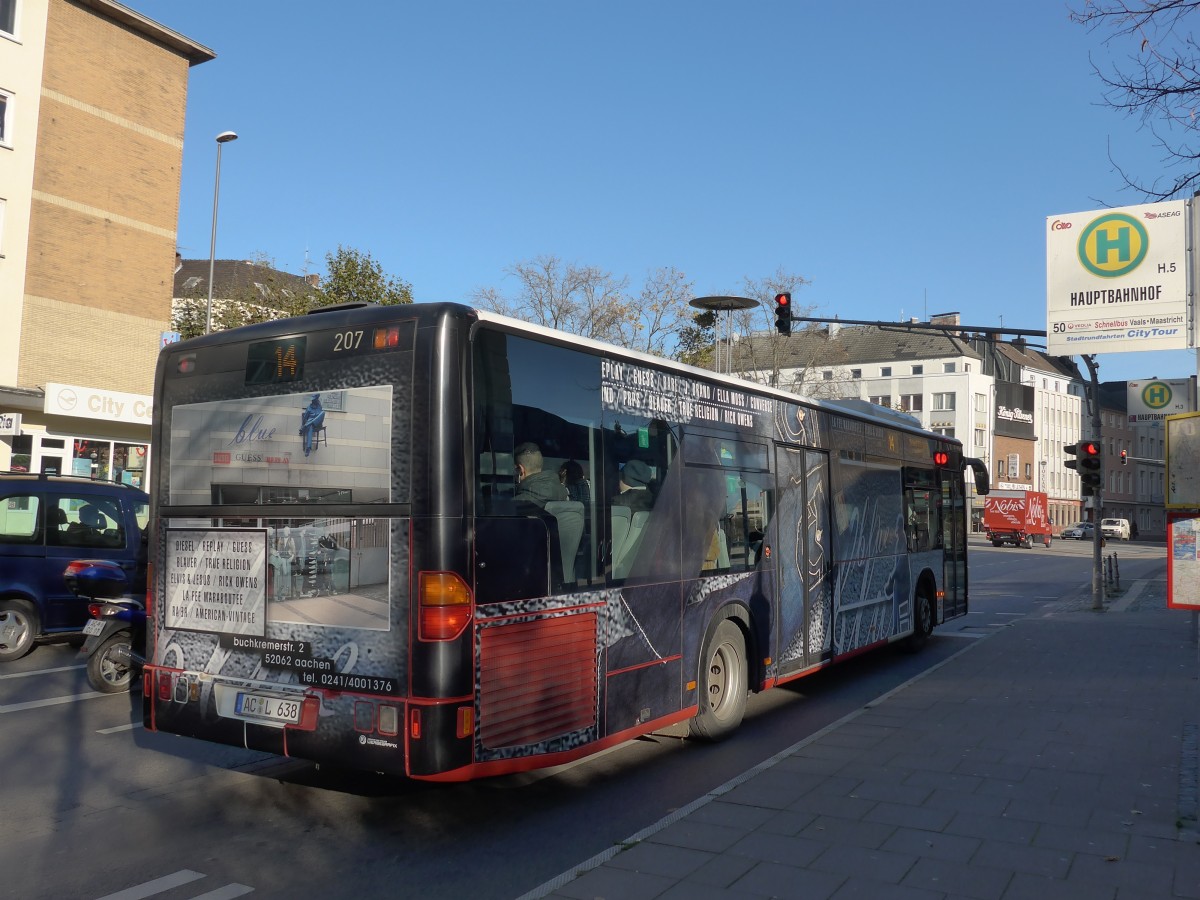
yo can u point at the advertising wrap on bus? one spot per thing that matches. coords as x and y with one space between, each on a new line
273 575
436 542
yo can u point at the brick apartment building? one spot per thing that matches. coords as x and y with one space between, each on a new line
92 104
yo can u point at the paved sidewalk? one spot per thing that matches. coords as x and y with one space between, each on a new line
1054 759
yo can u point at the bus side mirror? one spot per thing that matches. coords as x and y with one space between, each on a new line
982 482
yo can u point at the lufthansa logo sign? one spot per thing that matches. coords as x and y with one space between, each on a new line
1156 395
1113 245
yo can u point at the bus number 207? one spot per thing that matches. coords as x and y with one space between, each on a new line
347 340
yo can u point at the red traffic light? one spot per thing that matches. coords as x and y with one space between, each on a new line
783 313
1089 448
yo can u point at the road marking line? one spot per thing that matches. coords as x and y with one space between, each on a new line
226 893
41 672
157 886
52 701
119 728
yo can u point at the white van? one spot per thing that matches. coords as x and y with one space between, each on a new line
1115 528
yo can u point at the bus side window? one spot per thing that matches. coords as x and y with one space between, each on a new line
736 542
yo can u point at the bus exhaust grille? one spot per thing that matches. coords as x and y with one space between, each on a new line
537 680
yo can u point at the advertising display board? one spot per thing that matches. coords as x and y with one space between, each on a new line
1183 567
1117 280
1183 461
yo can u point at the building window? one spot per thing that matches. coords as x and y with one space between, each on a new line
981 403
911 402
8 16
979 438
1029 471
947 368
918 370
6 105
190 284
944 431
943 401
856 373
3 204
885 372
882 400
1000 469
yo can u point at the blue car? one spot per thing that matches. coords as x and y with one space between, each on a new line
46 521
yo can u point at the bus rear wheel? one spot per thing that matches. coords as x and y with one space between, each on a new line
723 684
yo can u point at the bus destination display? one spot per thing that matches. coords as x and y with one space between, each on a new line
276 362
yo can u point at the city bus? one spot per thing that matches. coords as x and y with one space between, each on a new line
431 541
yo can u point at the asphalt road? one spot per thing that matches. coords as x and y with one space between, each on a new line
96 807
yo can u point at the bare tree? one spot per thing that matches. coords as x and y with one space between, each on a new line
582 300
1159 84
660 312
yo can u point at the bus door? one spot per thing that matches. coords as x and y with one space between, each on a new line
954 531
802 558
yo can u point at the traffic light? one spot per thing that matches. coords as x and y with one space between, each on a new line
1090 464
1071 450
783 313
1124 457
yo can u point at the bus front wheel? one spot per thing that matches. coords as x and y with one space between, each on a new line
922 621
723 684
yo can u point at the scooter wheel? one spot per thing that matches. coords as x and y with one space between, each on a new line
109 669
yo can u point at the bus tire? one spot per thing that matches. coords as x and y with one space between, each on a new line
722 685
922 621
18 628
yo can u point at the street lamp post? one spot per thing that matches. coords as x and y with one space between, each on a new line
223 138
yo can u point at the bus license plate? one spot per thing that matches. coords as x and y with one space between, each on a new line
273 708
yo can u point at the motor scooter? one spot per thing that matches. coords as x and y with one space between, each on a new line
116 632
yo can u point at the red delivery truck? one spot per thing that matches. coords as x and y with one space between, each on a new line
1016 517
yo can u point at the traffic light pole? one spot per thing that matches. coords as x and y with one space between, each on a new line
1097 496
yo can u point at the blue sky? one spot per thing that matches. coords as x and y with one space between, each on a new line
902 157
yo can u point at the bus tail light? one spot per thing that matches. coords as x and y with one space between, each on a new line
165 688
444 606
414 723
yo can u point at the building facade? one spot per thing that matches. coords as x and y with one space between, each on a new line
1011 406
94 98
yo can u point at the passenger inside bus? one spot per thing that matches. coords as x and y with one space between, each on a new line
634 486
534 484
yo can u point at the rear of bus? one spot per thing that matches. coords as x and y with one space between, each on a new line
308 486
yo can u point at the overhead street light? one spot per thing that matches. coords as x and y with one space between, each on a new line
223 138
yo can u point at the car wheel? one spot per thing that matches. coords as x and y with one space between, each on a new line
109 669
18 628
723 684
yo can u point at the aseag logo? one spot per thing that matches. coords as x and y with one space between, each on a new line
1113 245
